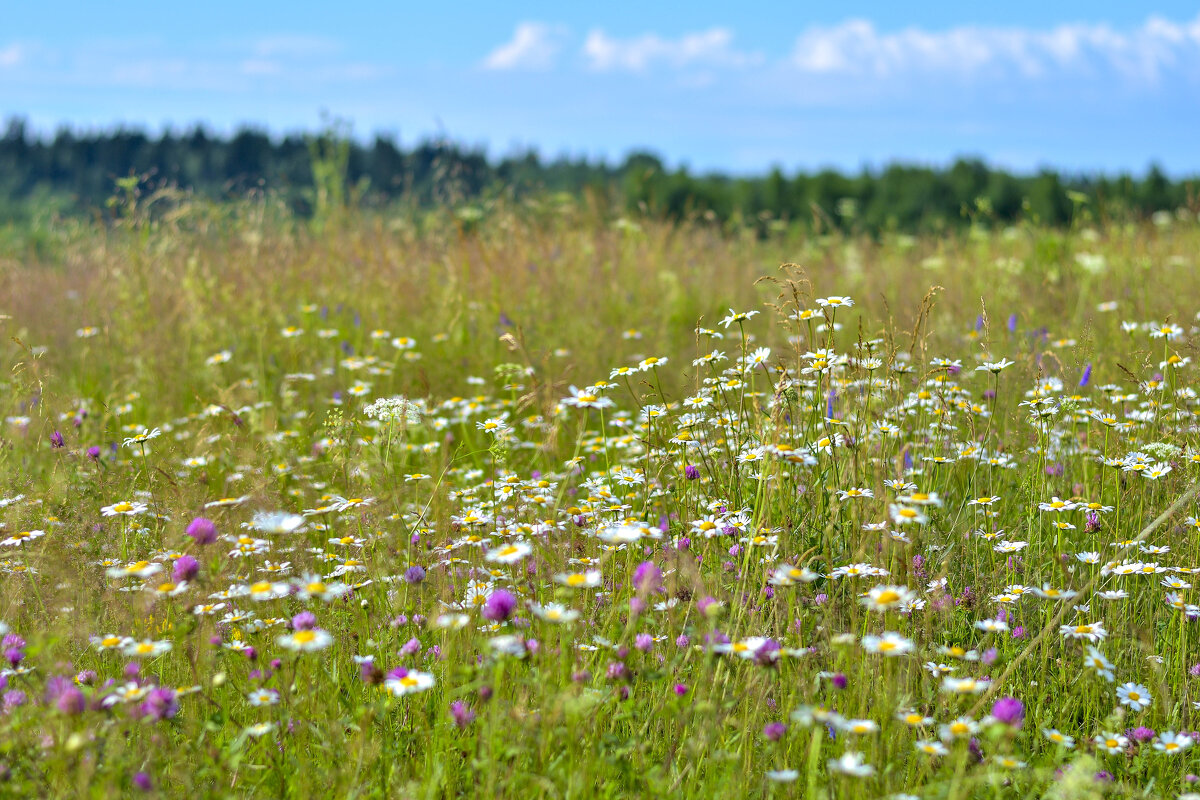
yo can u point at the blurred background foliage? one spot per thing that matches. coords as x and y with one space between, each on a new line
77 173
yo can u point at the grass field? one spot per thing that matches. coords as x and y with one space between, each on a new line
542 502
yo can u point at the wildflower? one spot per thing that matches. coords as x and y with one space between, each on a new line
586 399
737 317
913 719
995 367
579 580
509 554
963 685
260 729
160 703
774 731
1111 742
1095 660
1133 695
1172 743
882 598
1009 710
1054 735
1092 631
307 587
1056 504
276 522
146 648
409 682
306 640
499 606
124 508
858 726
553 612
931 747
851 763
992 625
906 515
961 728
889 644
462 714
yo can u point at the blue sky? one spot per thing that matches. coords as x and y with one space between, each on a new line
736 87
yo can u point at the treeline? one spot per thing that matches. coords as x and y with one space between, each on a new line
78 172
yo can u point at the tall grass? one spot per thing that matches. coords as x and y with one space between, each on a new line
606 544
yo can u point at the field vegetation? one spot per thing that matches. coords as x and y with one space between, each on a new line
543 500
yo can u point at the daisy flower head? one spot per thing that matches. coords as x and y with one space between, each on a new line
509 553
1133 696
961 728
884 598
1172 743
17 539
920 499
931 747
124 508
1095 660
276 522
963 685
737 317
851 763
586 399
889 644
138 569
1056 504
1092 631
995 367
913 719
110 642
305 640
555 612
1111 742
579 580
835 301
410 682
261 729
146 648
907 515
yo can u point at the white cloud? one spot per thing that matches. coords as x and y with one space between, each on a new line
712 47
295 45
261 67
1145 53
12 55
533 46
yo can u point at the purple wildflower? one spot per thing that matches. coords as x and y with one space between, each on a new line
304 621
202 530
186 568
1009 710
160 704
647 577
462 713
500 606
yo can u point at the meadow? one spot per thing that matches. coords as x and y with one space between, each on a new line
538 500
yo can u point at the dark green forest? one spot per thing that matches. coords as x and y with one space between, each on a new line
77 172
